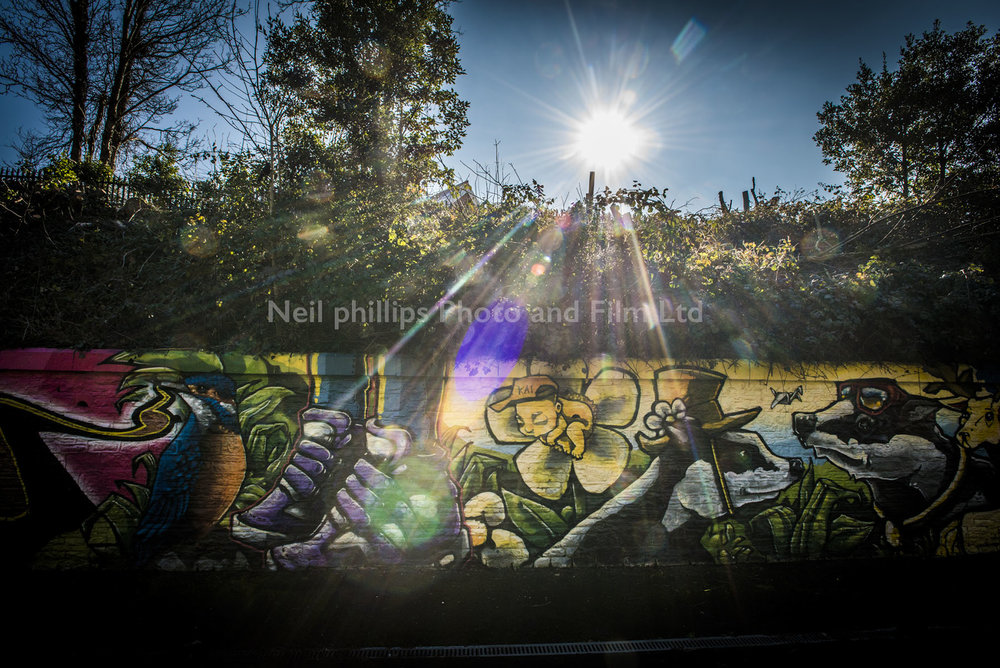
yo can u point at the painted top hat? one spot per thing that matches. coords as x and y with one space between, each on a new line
698 391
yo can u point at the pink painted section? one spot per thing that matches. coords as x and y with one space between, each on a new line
46 359
97 466
78 385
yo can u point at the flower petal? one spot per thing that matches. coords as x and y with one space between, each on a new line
615 393
603 461
678 409
488 507
661 408
544 469
653 422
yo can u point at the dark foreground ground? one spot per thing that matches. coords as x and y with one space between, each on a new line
893 612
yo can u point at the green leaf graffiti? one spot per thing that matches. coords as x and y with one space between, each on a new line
479 474
260 405
824 515
266 450
538 525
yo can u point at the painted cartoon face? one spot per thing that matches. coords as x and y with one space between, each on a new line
877 432
979 423
537 417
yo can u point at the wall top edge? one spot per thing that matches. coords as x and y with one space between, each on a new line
413 364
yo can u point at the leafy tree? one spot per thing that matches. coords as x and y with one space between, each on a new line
955 76
379 75
157 174
923 127
373 109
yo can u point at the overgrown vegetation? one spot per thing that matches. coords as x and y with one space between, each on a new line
341 215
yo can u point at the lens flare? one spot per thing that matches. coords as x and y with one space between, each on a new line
310 233
688 39
199 240
550 239
490 349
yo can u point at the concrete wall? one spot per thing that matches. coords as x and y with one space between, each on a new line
188 460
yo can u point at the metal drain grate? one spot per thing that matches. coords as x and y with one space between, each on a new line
564 649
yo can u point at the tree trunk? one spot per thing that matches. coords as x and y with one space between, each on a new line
117 93
133 18
905 166
272 185
80 10
95 126
942 162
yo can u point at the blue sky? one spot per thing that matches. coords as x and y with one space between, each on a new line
735 98
740 103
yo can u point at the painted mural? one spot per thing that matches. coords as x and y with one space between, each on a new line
187 460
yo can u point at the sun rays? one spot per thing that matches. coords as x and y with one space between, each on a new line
617 103
609 110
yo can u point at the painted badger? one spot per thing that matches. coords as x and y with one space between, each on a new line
919 477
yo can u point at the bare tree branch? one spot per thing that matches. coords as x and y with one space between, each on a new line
106 71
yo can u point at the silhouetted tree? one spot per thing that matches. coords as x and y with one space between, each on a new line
106 72
245 96
925 126
50 56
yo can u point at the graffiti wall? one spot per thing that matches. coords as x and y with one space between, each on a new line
186 460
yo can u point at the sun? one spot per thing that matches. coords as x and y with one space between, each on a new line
608 139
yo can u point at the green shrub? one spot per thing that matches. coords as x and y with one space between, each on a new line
156 176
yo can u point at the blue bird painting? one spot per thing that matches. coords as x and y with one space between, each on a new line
199 473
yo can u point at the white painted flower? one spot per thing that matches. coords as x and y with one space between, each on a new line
483 512
499 548
507 551
664 414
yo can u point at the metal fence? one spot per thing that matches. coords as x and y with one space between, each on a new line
113 192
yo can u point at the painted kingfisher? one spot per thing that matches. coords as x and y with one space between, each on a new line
199 473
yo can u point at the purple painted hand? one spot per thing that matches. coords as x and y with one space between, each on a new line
295 507
392 506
